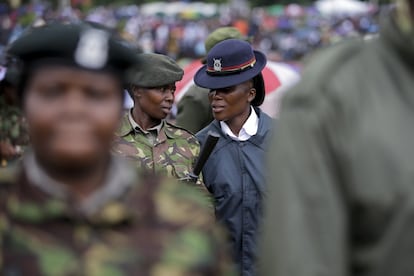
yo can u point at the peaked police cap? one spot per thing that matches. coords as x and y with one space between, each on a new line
232 62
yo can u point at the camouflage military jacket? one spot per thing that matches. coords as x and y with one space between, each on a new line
12 127
145 227
173 153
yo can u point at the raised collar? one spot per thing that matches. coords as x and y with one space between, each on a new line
248 129
265 127
128 125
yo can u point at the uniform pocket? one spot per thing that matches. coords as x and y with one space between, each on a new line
180 171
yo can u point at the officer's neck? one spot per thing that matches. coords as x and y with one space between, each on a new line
144 120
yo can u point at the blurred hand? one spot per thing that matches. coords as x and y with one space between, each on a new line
7 150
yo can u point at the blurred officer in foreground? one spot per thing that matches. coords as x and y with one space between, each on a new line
341 172
13 132
72 208
234 172
194 111
155 145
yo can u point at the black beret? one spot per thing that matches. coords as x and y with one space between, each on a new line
154 70
84 45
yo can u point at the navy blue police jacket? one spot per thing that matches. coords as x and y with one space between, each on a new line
235 175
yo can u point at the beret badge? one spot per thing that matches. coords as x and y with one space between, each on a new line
92 49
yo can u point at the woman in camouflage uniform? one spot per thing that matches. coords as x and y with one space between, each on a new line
74 209
154 144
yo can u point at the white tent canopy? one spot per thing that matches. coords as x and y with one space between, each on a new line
342 7
174 8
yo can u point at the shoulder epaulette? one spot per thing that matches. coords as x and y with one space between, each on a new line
180 128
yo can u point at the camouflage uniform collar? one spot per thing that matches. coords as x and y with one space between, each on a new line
129 125
137 127
120 178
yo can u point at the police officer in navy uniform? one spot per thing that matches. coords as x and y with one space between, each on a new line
234 172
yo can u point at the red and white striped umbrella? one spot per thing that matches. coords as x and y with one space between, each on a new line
278 78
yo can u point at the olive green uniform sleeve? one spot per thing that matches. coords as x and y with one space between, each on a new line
194 112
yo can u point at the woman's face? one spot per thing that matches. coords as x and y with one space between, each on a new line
155 102
72 115
231 102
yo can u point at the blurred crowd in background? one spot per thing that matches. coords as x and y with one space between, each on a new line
178 29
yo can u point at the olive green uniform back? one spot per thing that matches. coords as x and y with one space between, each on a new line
193 110
341 165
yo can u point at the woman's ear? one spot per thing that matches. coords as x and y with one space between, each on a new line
252 94
252 91
136 91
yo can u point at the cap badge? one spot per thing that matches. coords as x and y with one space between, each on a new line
92 49
217 64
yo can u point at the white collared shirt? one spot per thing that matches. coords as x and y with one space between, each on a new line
248 129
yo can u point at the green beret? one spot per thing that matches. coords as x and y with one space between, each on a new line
154 70
83 45
221 34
